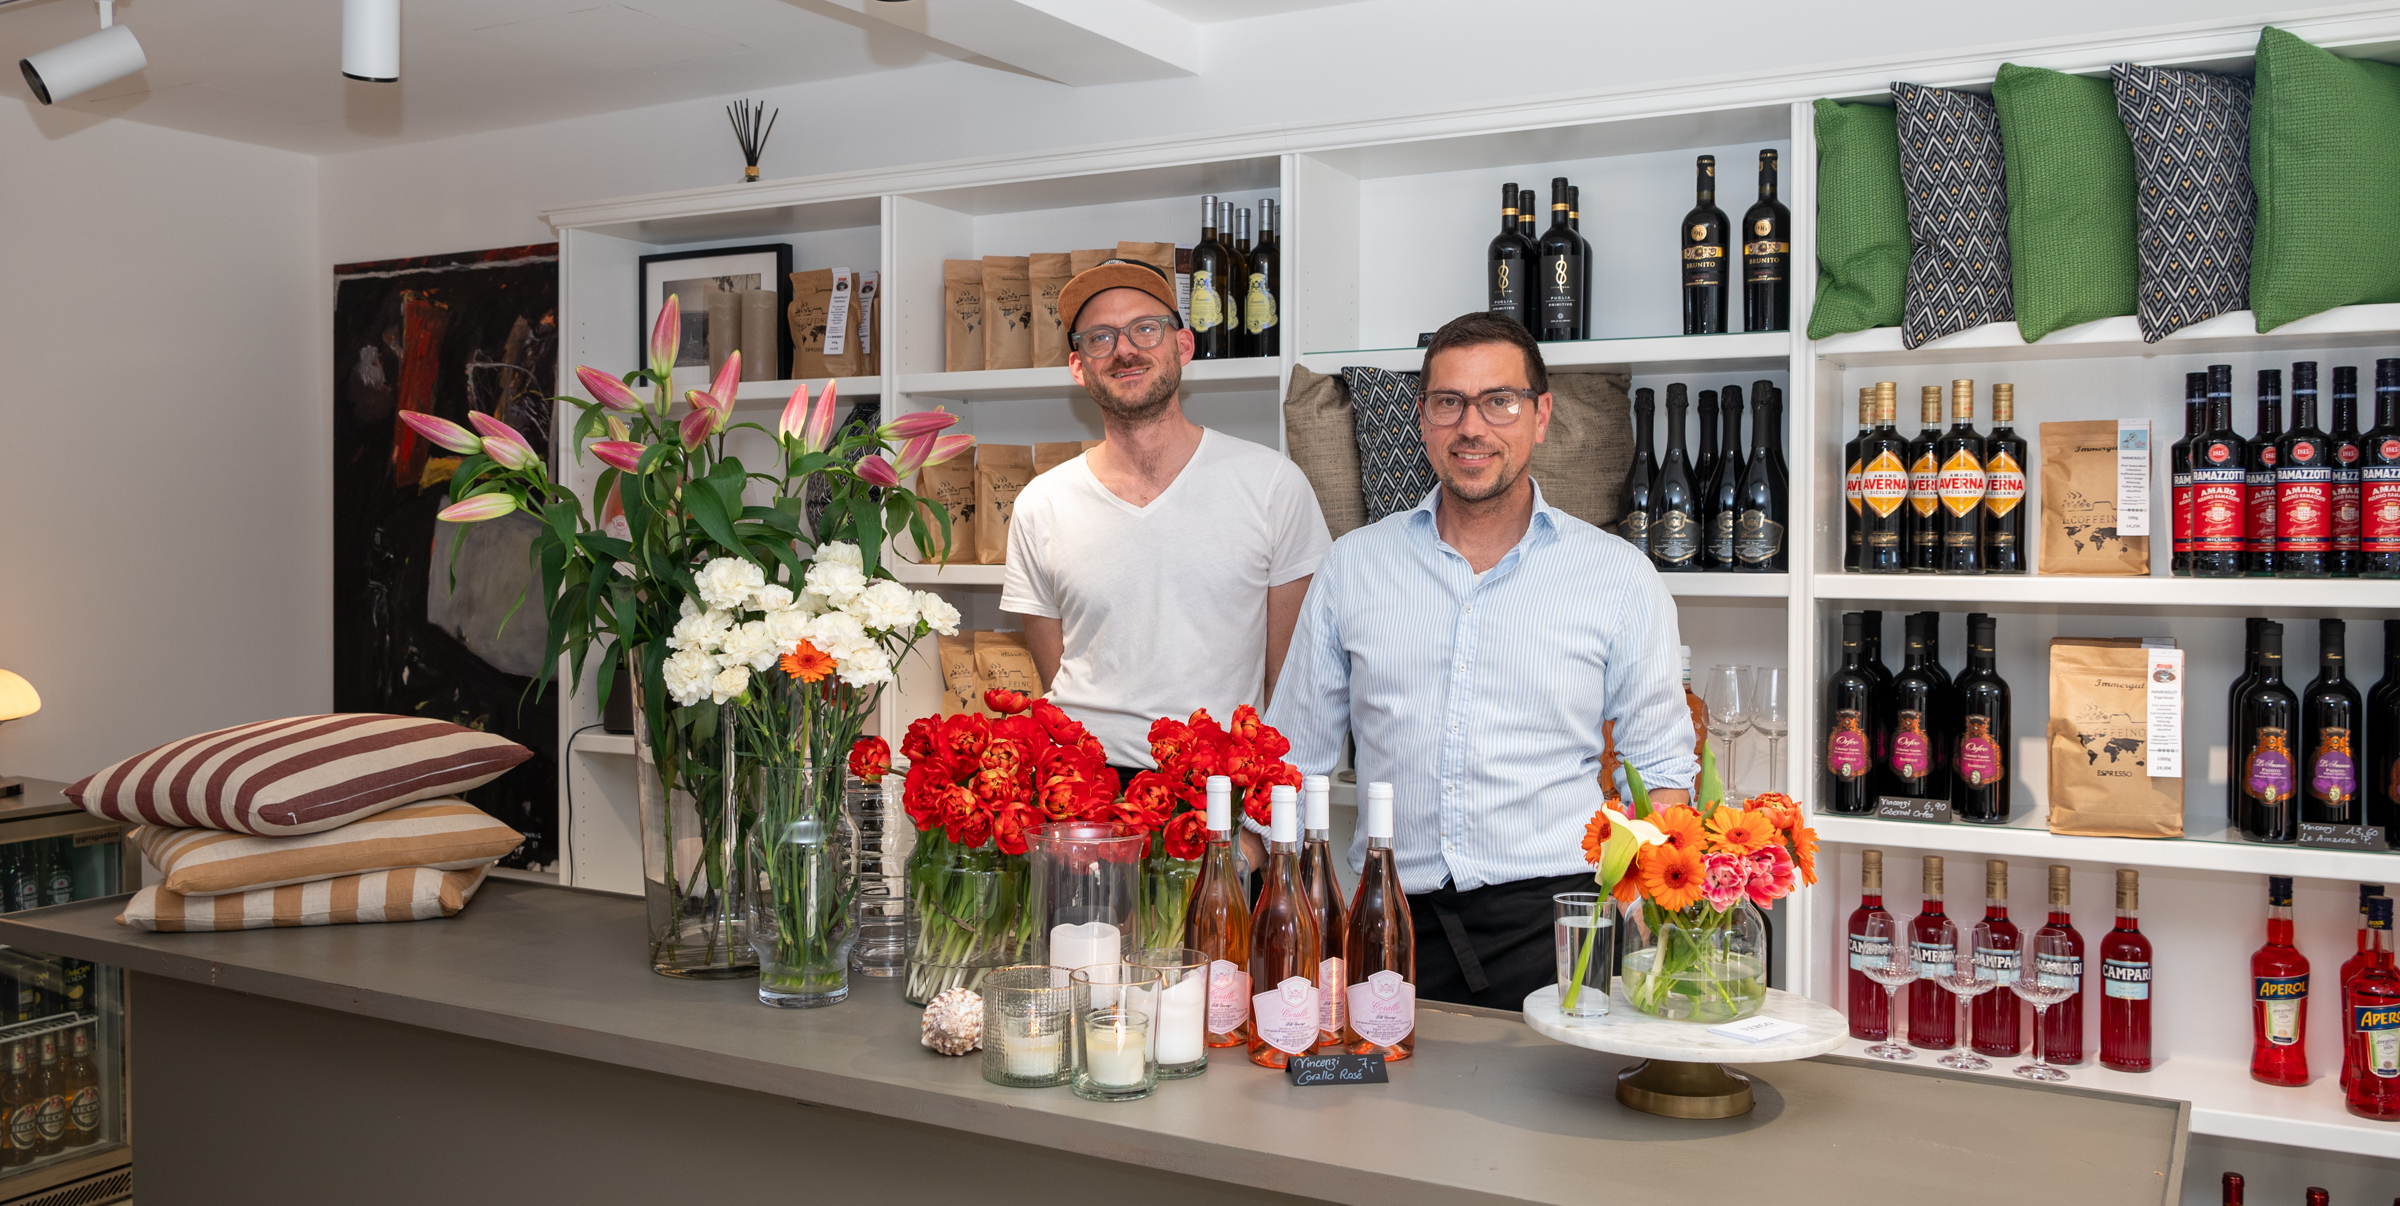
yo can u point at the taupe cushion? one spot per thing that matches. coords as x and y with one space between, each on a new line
408 894
1320 438
1583 464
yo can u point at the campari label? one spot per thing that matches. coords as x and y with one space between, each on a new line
1995 964
1912 754
2379 1025
1884 483
1962 482
1933 959
2284 997
1865 954
1383 1008
2059 971
1228 997
1846 748
2125 980
1329 995
1286 1016
2004 484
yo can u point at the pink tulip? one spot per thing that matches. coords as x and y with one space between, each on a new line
665 335
607 390
443 432
622 454
949 447
923 422
877 471
477 509
816 435
698 425
502 443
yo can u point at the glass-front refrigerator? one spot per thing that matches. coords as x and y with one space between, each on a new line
66 1136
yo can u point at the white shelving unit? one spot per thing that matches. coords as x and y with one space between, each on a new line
1352 192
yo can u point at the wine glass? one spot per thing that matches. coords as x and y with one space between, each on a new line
1726 692
1888 960
1773 719
2048 949
1965 982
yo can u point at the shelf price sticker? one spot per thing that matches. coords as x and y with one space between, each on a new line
2133 479
2164 678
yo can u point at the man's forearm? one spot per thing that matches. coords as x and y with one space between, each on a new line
1660 797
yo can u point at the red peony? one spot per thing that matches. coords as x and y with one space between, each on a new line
1186 836
870 759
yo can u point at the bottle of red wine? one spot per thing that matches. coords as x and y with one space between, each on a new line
2379 480
1883 486
1561 287
1704 465
2382 786
1960 450
2342 433
1767 256
1675 497
1870 1006
1849 710
1917 739
1854 520
2304 486
2263 758
1920 531
1758 530
1879 730
2237 804
1633 522
2220 493
2125 983
1998 951
1722 486
2195 408
1527 210
2258 540
1575 223
1705 248
2062 1026
2004 456
1983 749
1932 1013
2330 712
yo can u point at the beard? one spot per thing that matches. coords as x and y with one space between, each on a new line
1504 476
1143 407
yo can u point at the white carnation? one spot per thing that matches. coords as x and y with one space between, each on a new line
939 615
865 666
836 631
839 552
838 583
726 582
730 682
752 645
810 603
787 629
687 674
704 631
690 607
886 606
771 597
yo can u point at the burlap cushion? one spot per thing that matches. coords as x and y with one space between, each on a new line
1320 438
1583 464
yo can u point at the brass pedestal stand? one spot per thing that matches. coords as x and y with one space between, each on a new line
1676 1089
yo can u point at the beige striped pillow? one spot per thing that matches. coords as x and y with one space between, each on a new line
301 774
408 894
446 835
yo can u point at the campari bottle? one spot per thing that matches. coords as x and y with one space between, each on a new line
1218 924
2356 963
1932 1014
1998 949
1325 899
1285 950
2371 1008
1870 1006
2125 983
2062 1025
2279 988
1380 957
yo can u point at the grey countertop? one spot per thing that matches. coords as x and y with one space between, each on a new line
1486 1111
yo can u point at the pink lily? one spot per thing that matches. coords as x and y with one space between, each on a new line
477 509
913 454
949 447
665 335
502 443
877 471
443 432
607 390
816 432
621 454
698 425
923 422
728 382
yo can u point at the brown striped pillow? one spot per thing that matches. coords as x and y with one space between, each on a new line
409 894
298 775
447 835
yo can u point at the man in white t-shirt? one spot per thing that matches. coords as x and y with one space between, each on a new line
1163 570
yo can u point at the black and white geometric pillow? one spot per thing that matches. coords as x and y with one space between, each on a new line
1950 166
1393 473
2191 158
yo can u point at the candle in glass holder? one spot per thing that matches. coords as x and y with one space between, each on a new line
1085 944
1032 1056
1114 1049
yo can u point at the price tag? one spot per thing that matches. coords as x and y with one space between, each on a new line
2164 677
1913 808
2133 477
2342 837
1758 1029
1307 1070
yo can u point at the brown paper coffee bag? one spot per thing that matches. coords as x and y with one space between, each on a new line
951 486
2100 784
1078 261
1047 457
1048 272
1003 663
1001 471
962 315
823 314
2079 504
960 692
1158 255
1007 312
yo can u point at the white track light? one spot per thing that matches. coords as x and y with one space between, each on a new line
371 40
85 63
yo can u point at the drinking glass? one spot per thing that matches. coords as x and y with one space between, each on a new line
1965 982
1888 960
1584 924
1769 712
1726 691
2048 950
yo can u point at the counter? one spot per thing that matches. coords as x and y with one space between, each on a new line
523 1051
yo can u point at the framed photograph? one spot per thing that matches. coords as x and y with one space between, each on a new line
693 277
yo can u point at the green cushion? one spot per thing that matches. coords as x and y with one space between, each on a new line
2325 156
1862 220
2072 229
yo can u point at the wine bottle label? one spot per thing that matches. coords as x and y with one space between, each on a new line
52 1119
2259 534
1704 265
1228 997
2333 777
1962 482
2380 1026
1933 959
1720 537
1846 748
1979 760
2059 971
2219 505
1675 538
2004 484
83 1110
1884 483
1757 540
1208 307
1763 260
1329 994
25 1126
2125 980
1258 306
2267 776
2304 506
1865 953
1286 1016
1505 298
1996 965
2181 489
1562 281
2283 997
1635 529
1912 754
2379 509
1383 1008
1925 484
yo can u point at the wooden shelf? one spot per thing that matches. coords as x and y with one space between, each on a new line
2282 595
1757 352
618 745
996 385
2347 326
2027 837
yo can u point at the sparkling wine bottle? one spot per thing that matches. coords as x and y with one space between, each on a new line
1932 1015
2279 988
1762 498
2195 409
1218 923
2220 490
2125 983
2379 480
2263 758
2062 1025
2258 530
2304 486
2329 733
1960 450
2004 457
1998 948
2371 1013
1675 497
1286 953
1721 488
1870 1007
1325 900
1381 952
1922 532
1704 462
1634 501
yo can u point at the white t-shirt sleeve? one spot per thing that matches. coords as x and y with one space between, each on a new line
1300 538
1027 585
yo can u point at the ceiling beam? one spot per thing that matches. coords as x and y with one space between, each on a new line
1074 42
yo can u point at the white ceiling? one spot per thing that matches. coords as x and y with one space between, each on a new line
268 71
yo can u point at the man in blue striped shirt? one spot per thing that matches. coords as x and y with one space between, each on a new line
1474 646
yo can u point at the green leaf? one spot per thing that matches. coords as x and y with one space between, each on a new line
707 509
651 456
869 520
1638 793
1712 788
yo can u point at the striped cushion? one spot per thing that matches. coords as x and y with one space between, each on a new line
409 894
447 835
297 775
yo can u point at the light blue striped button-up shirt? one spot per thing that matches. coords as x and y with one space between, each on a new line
1480 700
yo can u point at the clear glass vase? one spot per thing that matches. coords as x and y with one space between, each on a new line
1166 892
1696 964
803 917
692 858
970 905
887 915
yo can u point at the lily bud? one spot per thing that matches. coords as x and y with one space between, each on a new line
621 454
502 443
877 471
443 432
923 422
698 425
816 435
949 447
607 390
477 509
665 335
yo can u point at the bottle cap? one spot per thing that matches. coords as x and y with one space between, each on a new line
2004 403
2062 885
1866 406
2279 890
1870 870
2345 380
1645 398
1377 815
2270 385
1933 875
1677 395
2129 889
1284 818
2330 640
1962 398
1929 404
2379 913
2220 381
1508 197
2367 892
2195 387
1852 622
1995 878
2387 373
1220 803
1319 792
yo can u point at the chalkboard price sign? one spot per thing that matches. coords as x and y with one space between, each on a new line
1307 1070
1913 808
2342 837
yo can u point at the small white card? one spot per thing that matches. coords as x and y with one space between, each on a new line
2164 670
2133 477
1758 1029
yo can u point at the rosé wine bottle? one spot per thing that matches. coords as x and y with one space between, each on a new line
1218 924
1380 956
1285 951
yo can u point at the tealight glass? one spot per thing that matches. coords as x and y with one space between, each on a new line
1028 1016
1114 1006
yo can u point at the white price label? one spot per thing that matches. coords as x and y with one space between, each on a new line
837 314
2133 477
2164 677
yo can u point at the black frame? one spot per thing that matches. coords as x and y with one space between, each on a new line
783 293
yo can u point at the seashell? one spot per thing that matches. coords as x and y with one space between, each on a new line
954 1021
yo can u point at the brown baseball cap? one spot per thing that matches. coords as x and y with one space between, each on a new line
1114 274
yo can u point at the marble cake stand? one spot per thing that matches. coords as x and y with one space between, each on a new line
1682 1073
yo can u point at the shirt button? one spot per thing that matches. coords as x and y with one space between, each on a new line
1462 667
1470 609
1454 728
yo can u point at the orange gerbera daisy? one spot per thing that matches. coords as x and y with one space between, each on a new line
807 663
1804 851
1673 879
1740 831
1681 825
1595 838
1629 889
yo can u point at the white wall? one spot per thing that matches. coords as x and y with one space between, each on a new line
165 518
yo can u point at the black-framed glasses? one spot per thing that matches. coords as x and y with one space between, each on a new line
1146 333
1499 407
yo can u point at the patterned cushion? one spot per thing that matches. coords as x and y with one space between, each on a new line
2323 131
409 894
1951 164
2071 191
297 775
1393 473
1862 221
1319 437
446 835
2193 204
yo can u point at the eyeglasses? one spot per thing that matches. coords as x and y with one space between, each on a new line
1499 407
1146 333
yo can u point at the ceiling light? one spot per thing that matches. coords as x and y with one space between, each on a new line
371 40
85 63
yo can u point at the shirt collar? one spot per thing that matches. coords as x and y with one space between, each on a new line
1544 524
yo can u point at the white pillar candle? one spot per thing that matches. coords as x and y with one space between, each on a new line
1113 1051
1182 1018
1080 946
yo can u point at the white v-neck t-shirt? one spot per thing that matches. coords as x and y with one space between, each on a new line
1162 609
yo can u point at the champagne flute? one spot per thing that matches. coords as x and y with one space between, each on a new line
2048 950
1774 721
1888 960
1726 692
1965 982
